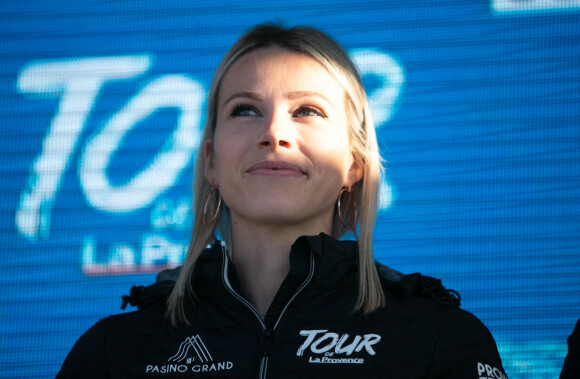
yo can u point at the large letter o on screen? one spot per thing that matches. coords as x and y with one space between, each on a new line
170 91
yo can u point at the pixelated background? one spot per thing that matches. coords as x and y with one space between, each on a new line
477 107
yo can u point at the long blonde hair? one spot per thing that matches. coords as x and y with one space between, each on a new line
363 200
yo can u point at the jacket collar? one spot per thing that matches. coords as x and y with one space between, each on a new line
334 259
336 264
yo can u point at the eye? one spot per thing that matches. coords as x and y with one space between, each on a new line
308 111
243 110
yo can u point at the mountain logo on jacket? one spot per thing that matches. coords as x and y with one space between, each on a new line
192 346
191 356
333 348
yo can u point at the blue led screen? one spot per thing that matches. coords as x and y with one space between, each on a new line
477 111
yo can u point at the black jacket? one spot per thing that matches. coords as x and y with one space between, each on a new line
571 369
310 330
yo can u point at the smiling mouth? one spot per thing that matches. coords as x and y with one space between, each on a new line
276 169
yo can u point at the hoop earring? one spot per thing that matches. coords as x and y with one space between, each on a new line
217 209
340 217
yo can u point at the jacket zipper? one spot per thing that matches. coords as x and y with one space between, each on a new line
267 333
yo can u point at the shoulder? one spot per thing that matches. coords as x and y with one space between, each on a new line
463 347
119 326
155 295
87 358
571 368
427 301
400 287
427 297
90 355
108 343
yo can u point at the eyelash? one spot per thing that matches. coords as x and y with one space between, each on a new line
238 109
314 110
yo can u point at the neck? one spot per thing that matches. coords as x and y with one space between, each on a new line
261 257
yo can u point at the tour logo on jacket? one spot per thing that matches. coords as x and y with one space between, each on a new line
325 347
192 356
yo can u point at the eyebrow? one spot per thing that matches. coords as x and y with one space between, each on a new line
246 95
299 94
291 96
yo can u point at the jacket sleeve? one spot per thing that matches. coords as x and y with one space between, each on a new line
87 360
465 349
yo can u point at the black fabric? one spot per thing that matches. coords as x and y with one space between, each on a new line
310 331
571 368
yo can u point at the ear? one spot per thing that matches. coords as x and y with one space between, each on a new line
209 166
355 172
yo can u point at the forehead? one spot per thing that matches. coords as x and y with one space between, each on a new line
277 68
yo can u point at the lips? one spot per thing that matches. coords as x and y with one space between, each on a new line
276 168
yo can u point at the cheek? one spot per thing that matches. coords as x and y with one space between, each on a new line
332 154
224 155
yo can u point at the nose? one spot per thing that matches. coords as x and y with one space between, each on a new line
277 132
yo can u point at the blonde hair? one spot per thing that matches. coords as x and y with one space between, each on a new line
363 200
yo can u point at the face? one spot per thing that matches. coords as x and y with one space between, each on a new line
280 153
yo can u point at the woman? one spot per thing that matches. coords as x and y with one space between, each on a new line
289 163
